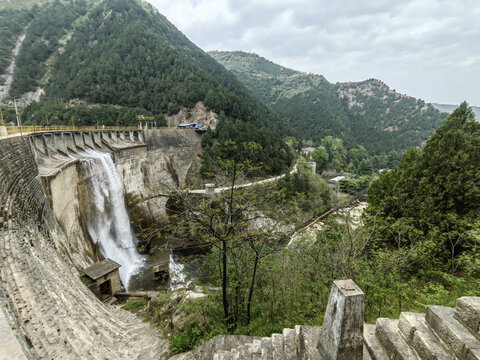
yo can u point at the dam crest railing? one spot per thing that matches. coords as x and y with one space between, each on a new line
7 131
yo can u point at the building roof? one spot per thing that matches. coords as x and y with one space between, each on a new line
308 149
101 268
337 179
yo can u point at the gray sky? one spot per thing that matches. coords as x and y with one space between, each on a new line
429 49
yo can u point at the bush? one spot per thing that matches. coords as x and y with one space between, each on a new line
187 340
354 185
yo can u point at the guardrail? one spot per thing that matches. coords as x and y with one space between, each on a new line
6 131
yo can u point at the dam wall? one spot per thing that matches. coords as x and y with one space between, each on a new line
43 243
148 162
159 167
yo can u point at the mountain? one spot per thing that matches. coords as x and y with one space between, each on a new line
107 61
367 113
451 108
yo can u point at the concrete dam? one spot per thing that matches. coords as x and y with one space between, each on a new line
46 237
63 203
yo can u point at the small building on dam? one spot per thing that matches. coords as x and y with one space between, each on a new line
103 278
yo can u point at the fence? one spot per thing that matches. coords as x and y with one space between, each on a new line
6 131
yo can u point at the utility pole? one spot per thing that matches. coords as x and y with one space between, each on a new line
20 121
16 113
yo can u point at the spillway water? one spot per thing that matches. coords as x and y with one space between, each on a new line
178 274
106 216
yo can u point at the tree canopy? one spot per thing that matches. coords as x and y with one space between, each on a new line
434 195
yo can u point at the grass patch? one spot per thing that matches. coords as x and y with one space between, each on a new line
134 305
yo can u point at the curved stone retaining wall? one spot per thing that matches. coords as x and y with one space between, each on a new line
40 238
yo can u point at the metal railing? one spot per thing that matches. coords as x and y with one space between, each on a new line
6 131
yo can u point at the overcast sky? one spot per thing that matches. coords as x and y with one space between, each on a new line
429 49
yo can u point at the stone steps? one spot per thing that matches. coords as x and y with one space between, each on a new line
442 333
417 333
467 311
389 335
453 333
277 347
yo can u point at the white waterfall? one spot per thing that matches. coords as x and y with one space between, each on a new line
178 274
107 219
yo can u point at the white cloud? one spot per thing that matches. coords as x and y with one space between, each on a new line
425 48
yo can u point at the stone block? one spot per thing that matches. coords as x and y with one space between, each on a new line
307 339
453 334
388 333
341 335
289 344
266 348
373 346
467 311
420 338
277 347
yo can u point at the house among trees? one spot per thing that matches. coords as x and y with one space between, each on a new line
307 150
336 179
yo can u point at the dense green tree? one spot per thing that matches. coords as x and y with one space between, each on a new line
337 154
354 185
365 167
435 190
320 156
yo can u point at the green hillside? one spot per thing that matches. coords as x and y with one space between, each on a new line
366 113
107 61
13 23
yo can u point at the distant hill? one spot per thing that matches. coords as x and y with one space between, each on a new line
450 108
367 112
107 61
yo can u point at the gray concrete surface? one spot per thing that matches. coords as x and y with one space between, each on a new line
10 349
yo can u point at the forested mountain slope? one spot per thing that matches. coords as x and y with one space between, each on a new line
109 60
367 113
